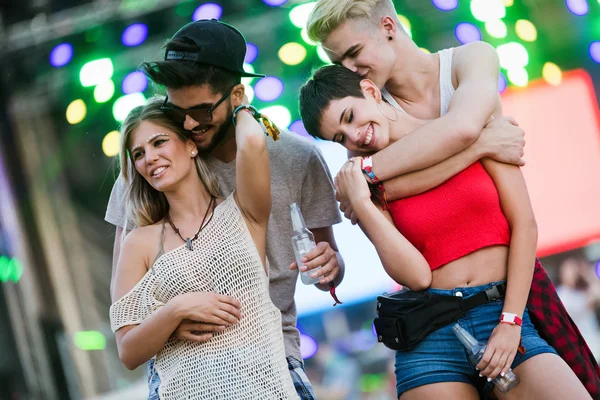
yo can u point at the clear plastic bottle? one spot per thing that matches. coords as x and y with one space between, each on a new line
303 241
476 350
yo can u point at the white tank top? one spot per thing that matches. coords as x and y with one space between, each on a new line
446 86
246 361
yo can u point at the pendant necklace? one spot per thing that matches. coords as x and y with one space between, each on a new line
188 241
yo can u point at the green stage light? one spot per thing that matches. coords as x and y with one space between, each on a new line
89 340
96 72
124 104
526 30
248 80
371 382
552 74
496 28
518 76
111 143
278 114
292 53
508 3
405 24
10 269
512 55
304 34
104 91
485 10
322 55
76 111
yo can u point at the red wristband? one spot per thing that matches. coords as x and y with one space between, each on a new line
510 318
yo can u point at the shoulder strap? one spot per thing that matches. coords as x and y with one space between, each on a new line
161 245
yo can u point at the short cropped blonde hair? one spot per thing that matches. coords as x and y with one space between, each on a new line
329 14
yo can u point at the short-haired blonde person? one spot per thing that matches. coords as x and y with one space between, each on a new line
456 90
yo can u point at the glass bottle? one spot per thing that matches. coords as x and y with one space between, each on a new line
303 241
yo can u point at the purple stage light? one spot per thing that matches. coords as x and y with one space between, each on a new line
134 82
208 11
251 53
61 55
598 269
134 35
274 3
268 89
308 346
501 83
298 128
595 51
467 33
445 5
578 7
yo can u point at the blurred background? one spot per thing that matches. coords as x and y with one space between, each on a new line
69 75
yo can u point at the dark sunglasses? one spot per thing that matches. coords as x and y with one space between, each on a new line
201 114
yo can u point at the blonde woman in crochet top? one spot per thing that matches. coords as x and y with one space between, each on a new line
189 243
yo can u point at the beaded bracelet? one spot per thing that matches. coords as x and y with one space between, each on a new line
269 127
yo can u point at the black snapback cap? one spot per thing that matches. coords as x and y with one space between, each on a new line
219 44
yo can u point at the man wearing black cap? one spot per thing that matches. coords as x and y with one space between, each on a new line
203 64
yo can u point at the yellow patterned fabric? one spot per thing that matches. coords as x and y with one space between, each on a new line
247 360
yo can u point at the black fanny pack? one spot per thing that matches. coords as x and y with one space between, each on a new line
404 318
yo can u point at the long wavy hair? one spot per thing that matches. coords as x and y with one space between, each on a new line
145 205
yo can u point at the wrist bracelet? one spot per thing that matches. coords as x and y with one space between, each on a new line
366 164
269 127
510 318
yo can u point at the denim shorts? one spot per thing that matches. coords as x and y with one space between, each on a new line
440 357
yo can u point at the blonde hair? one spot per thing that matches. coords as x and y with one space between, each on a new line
145 205
329 14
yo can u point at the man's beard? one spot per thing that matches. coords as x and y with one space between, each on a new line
220 135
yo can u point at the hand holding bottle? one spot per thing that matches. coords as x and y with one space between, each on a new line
500 350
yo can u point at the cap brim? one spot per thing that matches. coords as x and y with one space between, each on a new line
251 75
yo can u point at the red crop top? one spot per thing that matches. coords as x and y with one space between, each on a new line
454 219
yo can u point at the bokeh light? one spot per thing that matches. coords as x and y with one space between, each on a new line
208 11
134 82
485 10
61 55
251 53
298 128
405 22
467 33
518 76
526 30
96 72
275 3
496 28
126 103
445 5
111 143
247 80
292 53
299 14
508 3
304 34
308 346
578 7
89 340
552 74
76 111
425 50
134 35
595 51
322 55
512 55
268 88
249 92
502 83
104 91
598 269
280 115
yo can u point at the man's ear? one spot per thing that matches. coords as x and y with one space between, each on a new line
388 24
370 89
237 95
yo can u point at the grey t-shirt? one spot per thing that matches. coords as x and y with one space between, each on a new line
300 175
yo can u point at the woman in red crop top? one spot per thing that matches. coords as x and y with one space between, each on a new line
470 232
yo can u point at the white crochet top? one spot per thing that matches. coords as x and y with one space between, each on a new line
247 360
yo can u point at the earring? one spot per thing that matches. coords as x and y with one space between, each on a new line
389 38
193 153
395 113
